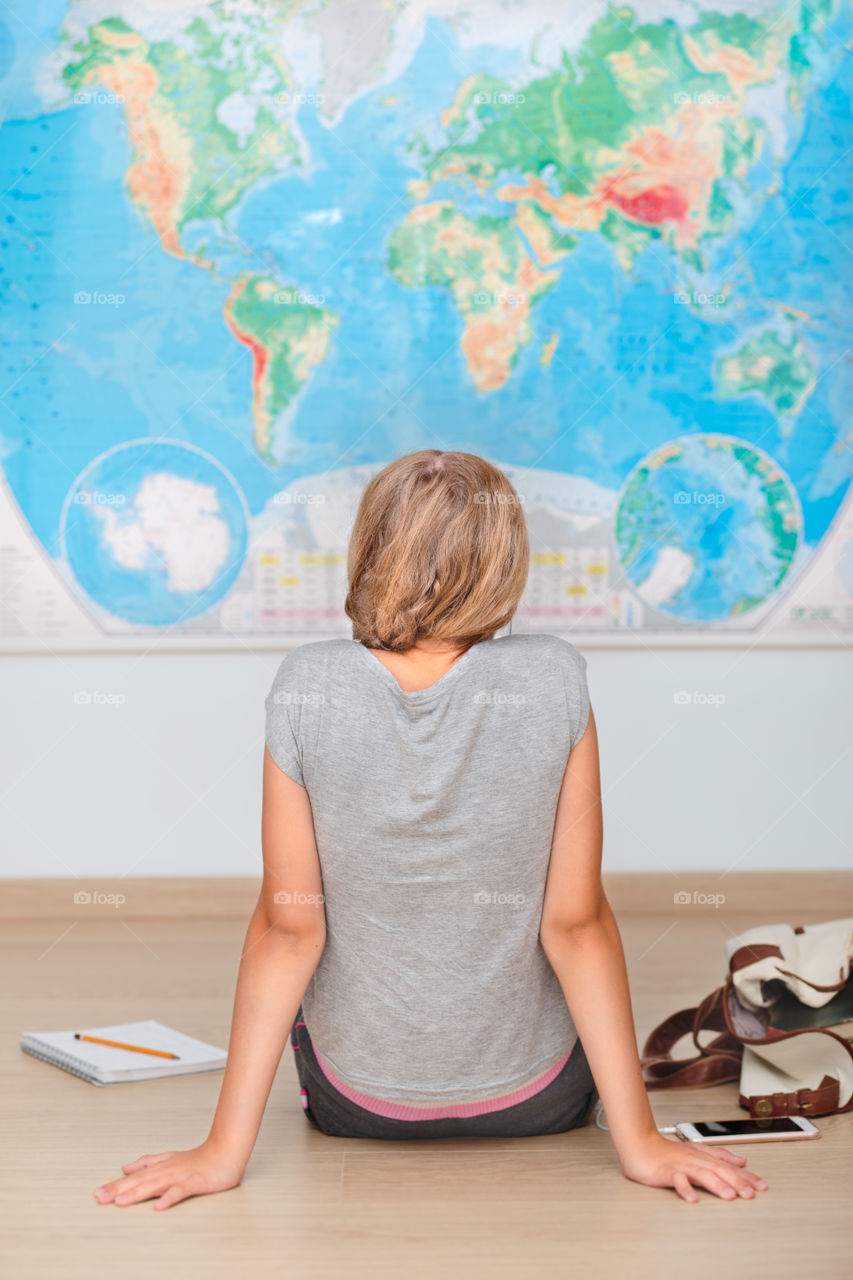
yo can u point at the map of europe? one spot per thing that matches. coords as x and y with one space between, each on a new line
252 251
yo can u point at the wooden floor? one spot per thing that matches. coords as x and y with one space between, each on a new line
314 1206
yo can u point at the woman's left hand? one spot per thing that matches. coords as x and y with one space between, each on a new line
659 1162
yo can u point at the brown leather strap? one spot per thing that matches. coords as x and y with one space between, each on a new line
750 954
669 1032
716 1062
821 1101
835 986
709 1016
697 1073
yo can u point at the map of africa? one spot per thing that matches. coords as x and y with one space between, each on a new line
252 251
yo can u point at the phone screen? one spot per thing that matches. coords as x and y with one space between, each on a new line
730 1128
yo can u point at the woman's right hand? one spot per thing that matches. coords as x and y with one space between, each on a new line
174 1176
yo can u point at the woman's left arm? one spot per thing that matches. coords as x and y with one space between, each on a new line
581 939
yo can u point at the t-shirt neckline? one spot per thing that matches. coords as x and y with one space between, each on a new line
432 690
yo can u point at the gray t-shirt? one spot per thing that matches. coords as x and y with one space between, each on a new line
433 813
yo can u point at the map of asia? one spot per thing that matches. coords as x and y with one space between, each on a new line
252 250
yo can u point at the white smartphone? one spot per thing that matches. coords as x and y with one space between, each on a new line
774 1128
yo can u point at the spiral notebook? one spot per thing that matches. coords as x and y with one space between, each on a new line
101 1064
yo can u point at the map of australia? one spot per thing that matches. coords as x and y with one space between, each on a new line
605 248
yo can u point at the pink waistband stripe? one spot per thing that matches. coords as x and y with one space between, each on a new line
397 1111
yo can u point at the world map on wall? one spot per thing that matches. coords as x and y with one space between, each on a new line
253 251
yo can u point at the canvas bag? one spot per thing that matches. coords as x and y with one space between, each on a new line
784 1024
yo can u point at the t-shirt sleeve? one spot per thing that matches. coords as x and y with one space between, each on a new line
577 693
280 737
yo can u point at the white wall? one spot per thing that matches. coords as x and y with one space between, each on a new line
169 781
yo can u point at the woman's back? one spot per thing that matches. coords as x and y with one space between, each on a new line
433 814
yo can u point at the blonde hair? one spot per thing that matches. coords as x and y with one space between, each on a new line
439 549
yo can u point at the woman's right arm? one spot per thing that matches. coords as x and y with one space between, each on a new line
284 942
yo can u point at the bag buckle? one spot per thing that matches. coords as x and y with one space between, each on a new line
763 1107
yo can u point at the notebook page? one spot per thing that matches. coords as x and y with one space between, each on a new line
103 1061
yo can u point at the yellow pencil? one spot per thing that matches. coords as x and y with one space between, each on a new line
116 1044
